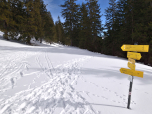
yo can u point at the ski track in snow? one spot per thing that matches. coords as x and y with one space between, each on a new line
58 92
12 66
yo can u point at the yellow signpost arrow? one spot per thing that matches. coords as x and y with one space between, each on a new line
131 60
134 55
131 66
138 48
132 72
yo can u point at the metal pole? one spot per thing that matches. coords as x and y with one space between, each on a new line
130 87
129 96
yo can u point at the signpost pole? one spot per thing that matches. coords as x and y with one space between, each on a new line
131 56
130 90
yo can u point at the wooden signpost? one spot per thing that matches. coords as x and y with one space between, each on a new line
138 48
132 72
132 56
131 66
131 60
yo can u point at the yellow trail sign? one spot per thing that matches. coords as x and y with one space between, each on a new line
131 60
138 48
134 55
132 72
131 66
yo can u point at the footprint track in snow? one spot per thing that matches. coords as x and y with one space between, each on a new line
58 89
14 65
123 97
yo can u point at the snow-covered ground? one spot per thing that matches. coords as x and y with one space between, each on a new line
1 33
58 79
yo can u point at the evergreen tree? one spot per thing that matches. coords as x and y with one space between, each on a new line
95 24
49 28
39 23
30 27
59 31
130 24
29 19
84 33
119 29
69 13
6 20
110 20
17 16
142 26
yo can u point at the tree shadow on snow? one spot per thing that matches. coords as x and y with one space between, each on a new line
59 50
107 105
115 73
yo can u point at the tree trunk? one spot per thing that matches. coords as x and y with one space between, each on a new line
40 40
6 32
28 40
113 46
71 38
146 59
6 35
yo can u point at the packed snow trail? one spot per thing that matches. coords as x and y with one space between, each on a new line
57 92
12 65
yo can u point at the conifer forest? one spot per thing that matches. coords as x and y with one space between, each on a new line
127 22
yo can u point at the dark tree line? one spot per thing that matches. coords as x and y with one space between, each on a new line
127 22
83 24
26 19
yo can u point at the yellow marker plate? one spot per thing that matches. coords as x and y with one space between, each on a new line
138 48
132 72
134 55
131 66
131 60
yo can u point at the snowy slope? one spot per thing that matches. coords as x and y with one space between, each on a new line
59 79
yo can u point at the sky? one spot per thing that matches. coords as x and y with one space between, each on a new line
55 9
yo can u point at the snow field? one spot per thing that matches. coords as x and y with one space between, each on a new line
58 79
55 93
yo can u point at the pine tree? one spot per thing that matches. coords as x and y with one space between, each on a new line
40 10
29 19
49 28
17 16
142 27
118 31
30 27
6 19
84 33
110 20
60 31
95 23
69 13
132 24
